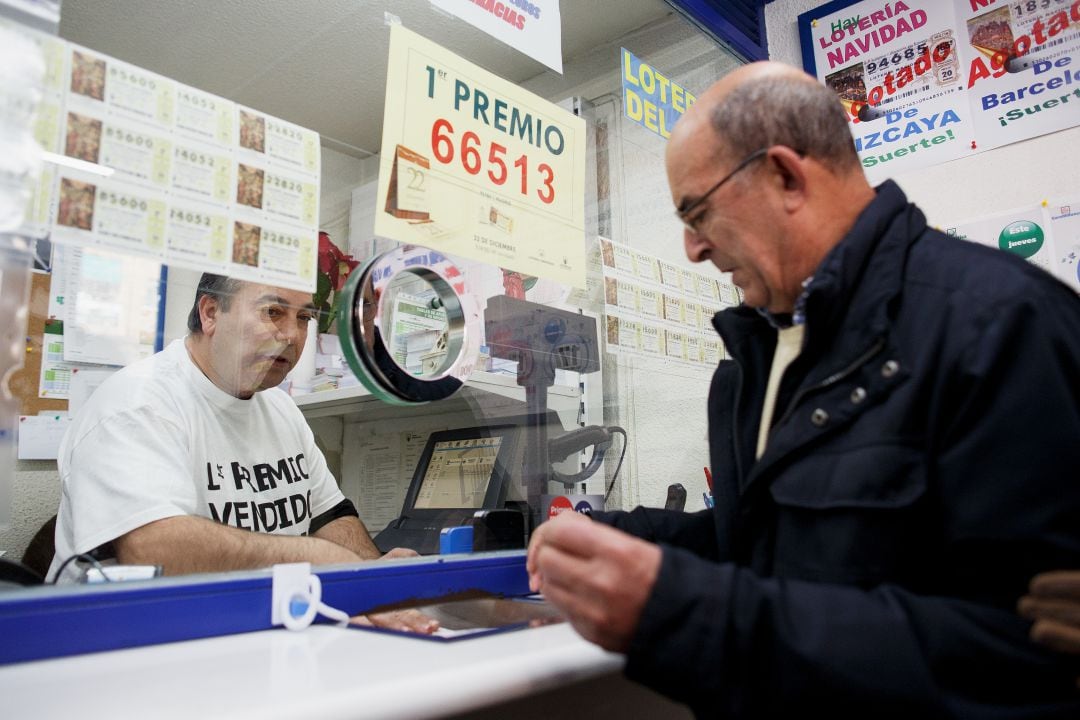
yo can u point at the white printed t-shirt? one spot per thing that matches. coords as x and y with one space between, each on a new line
158 439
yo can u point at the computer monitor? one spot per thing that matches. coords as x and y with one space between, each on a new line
458 473
467 468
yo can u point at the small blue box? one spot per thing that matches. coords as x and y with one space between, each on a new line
456 540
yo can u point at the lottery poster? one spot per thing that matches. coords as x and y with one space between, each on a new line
151 167
1023 60
473 166
896 69
927 81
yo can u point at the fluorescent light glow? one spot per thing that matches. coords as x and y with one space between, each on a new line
77 164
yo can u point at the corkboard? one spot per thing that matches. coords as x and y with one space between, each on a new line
24 383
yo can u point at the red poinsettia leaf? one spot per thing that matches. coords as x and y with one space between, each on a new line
324 243
326 258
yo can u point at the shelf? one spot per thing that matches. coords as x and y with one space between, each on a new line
342 401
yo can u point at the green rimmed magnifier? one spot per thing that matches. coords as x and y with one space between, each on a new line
406 332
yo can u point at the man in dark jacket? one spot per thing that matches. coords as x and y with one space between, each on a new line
895 445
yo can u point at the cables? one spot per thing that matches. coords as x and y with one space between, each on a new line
615 475
81 557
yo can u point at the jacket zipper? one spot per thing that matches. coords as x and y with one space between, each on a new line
737 444
831 380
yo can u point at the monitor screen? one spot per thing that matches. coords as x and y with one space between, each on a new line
458 473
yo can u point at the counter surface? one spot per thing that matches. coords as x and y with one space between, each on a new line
324 672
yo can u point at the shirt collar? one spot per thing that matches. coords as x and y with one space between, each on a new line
798 317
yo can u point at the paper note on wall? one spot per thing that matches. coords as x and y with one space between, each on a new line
111 305
40 435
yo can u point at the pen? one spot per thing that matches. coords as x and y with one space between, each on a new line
708 479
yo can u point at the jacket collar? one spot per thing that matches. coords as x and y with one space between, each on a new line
840 306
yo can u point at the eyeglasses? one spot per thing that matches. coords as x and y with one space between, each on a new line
684 214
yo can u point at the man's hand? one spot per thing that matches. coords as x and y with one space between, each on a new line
1053 602
403 620
596 575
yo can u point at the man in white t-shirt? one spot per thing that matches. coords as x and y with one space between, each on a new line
192 459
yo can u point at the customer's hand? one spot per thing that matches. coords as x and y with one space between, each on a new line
1053 602
599 577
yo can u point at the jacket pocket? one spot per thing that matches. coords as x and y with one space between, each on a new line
872 476
852 517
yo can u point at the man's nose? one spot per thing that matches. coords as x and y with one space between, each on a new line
697 248
293 333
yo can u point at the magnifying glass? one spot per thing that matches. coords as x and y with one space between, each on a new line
406 332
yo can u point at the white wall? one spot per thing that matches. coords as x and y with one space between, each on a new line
1013 176
35 495
340 174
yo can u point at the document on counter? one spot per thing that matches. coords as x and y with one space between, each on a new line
478 617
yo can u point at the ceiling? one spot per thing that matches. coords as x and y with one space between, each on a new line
318 63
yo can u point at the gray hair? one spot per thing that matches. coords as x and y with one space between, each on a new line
219 287
788 110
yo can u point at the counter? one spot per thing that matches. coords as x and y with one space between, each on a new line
333 674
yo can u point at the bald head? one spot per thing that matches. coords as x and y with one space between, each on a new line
764 174
765 104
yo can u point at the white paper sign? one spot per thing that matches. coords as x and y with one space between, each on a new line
40 435
533 27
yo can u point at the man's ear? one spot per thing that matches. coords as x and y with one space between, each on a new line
209 310
791 170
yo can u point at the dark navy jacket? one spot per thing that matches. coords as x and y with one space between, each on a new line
923 464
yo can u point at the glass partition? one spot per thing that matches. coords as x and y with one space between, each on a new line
246 139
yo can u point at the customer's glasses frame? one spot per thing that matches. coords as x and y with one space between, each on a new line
684 214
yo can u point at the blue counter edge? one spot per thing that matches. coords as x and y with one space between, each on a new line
40 623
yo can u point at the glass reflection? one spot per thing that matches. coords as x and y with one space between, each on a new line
410 337
406 318
414 323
